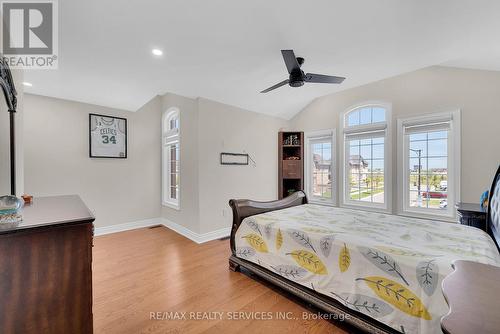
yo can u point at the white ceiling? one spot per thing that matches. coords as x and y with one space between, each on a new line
229 50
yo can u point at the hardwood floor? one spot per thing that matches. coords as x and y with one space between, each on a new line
156 270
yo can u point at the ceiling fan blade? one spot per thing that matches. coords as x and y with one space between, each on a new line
320 78
290 61
284 82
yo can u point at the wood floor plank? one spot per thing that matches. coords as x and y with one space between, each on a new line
157 270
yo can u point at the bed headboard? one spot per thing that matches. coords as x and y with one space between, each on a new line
243 208
493 216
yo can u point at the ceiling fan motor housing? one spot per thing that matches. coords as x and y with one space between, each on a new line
297 79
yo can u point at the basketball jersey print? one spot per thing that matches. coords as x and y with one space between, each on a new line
107 138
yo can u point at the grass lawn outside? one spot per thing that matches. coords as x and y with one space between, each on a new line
356 195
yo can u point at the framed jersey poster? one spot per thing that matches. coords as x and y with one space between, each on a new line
107 137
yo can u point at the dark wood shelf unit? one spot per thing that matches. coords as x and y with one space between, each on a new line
290 171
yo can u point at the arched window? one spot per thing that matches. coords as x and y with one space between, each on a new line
366 179
171 158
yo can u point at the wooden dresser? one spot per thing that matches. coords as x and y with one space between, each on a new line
46 269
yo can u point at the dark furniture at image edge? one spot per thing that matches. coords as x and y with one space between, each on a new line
472 292
245 208
10 95
471 214
46 269
476 282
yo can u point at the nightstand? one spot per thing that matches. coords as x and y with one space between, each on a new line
471 214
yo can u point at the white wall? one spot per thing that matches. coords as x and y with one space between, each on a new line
56 153
430 90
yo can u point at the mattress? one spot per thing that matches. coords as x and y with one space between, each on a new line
387 267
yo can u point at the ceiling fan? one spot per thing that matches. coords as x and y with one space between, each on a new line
297 76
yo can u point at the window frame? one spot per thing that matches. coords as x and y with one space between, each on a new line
453 165
170 137
346 130
310 138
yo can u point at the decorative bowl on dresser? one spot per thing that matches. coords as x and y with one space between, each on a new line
46 269
471 214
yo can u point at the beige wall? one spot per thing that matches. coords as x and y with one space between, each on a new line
430 90
207 129
224 128
57 159
121 191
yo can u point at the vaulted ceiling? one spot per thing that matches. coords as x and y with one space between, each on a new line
229 50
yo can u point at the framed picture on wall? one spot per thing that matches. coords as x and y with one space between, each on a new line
107 137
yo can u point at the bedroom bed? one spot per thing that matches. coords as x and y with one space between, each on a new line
381 273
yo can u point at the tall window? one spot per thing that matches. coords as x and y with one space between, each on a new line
320 167
366 159
430 165
171 155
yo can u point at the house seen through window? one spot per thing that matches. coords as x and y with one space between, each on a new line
320 169
365 132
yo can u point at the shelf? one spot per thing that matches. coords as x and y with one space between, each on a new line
291 171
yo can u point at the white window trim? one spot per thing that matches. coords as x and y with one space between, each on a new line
167 138
454 166
309 137
386 207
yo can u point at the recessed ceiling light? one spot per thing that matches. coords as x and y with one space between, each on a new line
157 52
27 84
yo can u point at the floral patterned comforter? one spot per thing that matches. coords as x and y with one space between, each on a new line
387 267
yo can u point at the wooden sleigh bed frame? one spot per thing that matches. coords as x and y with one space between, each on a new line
244 208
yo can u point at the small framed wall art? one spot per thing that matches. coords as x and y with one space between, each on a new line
233 158
107 137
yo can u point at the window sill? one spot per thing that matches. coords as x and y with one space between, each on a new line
364 207
429 216
319 202
174 206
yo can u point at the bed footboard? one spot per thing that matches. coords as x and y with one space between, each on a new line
243 208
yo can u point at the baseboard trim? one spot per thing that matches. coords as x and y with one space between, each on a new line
127 226
199 238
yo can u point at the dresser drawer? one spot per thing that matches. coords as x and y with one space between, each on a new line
292 169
